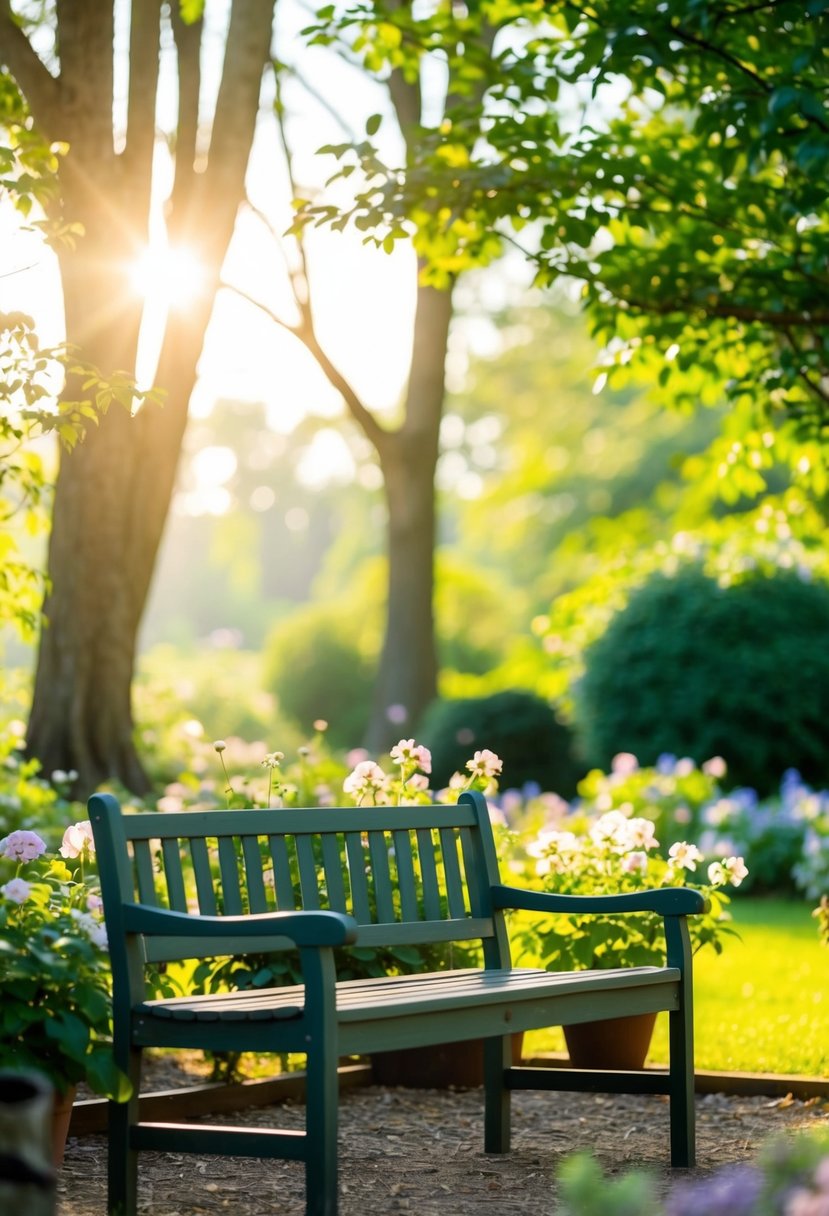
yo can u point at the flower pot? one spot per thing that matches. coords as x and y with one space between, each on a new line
61 1118
613 1044
458 1064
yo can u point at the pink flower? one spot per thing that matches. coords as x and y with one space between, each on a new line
408 752
624 763
17 890
633 863
22 845
78 840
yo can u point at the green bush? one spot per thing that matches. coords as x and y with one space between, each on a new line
519 726
316 670
694 669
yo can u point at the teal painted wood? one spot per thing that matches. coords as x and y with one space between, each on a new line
378 851
357 861
406 881
144 874
231 890
174 878
205 893
283 877
334 871
254 875
377 876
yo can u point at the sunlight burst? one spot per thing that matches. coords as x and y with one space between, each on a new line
173 276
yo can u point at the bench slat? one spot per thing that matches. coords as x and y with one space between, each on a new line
378 850
406 883
144 873
355 853
254 881
205 890
229 869
333 865
432 909
308 879
452 872
283 879
173 875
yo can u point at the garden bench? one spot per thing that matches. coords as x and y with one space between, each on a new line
198 884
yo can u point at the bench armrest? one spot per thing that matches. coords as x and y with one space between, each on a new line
302 928
666 901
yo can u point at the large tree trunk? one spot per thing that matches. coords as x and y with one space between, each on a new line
113 491
407 673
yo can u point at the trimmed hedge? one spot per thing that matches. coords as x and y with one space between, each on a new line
519 726
695 669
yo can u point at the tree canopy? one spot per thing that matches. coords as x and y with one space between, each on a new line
686 189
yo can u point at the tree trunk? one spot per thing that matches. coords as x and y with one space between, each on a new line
113 491
407 673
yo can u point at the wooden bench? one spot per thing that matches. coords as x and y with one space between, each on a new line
212 883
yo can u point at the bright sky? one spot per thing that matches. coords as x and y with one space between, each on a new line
364 298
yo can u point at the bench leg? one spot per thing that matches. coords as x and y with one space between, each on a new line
122 1159
497 1060
683 1114
322 1097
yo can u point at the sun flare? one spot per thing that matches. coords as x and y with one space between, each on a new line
173 276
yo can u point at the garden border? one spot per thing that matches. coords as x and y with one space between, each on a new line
90 1116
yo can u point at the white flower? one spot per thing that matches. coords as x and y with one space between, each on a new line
366 778
94 929
219 746
22 845
640 834
17 890
485 764
78 840
273 760
685 855
736 870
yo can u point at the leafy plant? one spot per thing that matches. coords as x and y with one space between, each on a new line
54 966
697 669
615 853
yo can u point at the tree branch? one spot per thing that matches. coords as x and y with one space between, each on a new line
369 425
41 90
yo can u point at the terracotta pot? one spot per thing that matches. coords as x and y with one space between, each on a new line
616 1043
61 1118
460 1064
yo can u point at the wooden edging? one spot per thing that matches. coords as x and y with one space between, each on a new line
217 1098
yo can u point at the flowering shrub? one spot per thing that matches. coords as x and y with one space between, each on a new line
790 1178
615 853
308 781
54 966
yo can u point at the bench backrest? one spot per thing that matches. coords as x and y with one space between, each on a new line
409 875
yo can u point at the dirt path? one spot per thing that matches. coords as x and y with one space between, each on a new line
421 1151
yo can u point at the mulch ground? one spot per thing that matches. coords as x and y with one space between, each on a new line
406 1150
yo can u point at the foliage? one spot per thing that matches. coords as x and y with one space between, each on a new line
615 853
693 668
784 533
316 670
789 1178
689 199
534 745
54 967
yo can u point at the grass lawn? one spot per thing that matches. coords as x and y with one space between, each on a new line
762 1005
